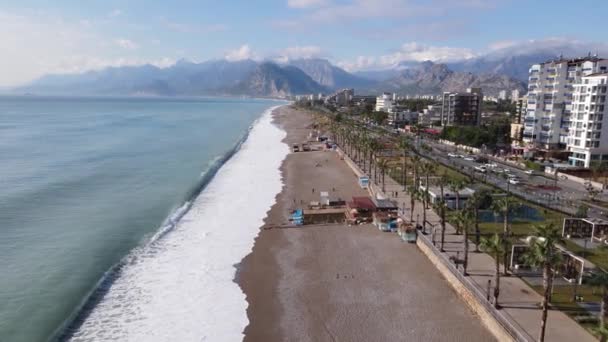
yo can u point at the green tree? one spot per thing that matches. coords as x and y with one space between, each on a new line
443 181
464 220
582 211
495 247
473 204
457 185
544 253
404 145
383 166
505 206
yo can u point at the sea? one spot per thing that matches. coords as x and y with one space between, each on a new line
123 219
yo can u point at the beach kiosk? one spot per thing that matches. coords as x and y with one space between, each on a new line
364 182
298 217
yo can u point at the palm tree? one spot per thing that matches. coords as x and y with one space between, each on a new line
428 168
383 166
404 145
443 180
544 253
422 196
457 185
495 247
413 195
373 146
463 220
600 279
505 206
473 204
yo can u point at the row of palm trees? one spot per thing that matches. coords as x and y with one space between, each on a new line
365 149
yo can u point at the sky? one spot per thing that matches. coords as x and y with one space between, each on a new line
39 37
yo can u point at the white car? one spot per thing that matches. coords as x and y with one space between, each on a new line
530 172
481 169
469 158
492 165
452 155
514 181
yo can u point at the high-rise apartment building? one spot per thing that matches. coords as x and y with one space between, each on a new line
384 102
462 108
588 133
550 91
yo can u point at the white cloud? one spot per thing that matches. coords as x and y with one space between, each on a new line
126 44
412 51
297 52
336 12
34 44
242 53
115 13
190 28
568 47
305 3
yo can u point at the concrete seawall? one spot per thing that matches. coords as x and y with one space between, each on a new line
486 317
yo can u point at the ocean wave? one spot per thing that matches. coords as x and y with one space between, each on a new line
179 285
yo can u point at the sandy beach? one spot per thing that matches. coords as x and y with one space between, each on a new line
341 283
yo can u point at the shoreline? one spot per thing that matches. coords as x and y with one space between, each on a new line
327 282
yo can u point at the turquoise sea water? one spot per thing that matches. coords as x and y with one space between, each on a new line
85 180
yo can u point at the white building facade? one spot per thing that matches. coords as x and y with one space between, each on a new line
384 103
588 131
550 93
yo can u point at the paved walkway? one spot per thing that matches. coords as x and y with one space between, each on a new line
519 302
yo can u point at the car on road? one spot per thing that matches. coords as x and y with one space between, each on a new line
481 169
469 158
514 181
530 172
491 165
452 155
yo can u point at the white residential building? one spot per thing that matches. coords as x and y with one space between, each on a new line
502 95
400 117
384 103
550 90
515 95
588 134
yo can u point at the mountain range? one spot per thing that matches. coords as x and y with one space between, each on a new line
492 72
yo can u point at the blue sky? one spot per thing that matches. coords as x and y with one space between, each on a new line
60 36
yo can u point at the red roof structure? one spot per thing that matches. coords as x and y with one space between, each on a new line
364 203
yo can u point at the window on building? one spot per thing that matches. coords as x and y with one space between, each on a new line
586 81
595 157
577 142
596 144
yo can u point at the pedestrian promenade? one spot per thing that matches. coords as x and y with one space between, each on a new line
519 302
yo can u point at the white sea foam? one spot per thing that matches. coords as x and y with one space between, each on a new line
180 287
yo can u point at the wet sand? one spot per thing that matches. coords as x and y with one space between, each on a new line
340 283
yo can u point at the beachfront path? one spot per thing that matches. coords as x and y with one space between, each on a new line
519 301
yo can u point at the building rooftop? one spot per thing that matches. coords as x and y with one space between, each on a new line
574 60
596 221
